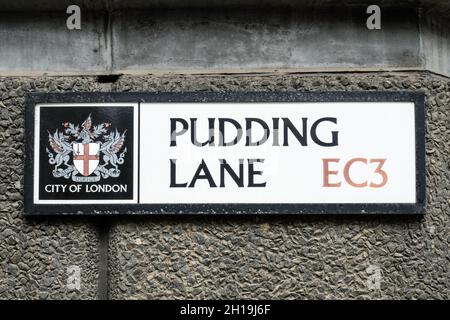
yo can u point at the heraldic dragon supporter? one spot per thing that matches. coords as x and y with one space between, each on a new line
94 151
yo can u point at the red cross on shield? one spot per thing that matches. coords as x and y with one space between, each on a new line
85 157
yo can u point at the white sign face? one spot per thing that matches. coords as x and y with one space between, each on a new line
307 153
226 153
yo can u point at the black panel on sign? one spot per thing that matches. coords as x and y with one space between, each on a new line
88 151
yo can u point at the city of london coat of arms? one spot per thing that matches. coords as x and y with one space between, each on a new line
87 153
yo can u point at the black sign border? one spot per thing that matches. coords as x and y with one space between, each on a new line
417 97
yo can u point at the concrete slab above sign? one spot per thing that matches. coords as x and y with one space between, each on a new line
39 42
169 153
221 40
237 40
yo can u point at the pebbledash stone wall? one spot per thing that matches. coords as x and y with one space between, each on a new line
36 253
203 257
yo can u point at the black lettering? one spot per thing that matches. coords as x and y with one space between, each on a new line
302 138
206 175
248 127
252 172
334 134
276 132
173 177
238 127
210 140
239 179
173 128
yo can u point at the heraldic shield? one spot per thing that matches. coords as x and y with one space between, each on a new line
87 147
86 157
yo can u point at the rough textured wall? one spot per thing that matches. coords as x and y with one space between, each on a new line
293 257
228 257
35 253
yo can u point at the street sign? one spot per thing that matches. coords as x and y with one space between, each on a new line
227 153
